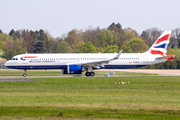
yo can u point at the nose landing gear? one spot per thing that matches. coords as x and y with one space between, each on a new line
24 75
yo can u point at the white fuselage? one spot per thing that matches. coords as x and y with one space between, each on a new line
60 61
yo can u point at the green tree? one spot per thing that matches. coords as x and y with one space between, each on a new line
15 34
103 38
0 45
75 40
92 35
100 49
1 52
107 38
127 47
111 49
171 51
87 48
5 37
53 45
111 38
1 31
42 45
39 47
129 34
135 45
138 45
125 36
43 38
177 51
19 46
115 27
12 48
64 47
34 34
11 32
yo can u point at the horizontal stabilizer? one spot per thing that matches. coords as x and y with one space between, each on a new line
168 57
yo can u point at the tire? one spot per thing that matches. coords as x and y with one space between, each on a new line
24 75
87 74
92 74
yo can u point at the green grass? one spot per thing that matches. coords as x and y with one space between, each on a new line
12 72
91 98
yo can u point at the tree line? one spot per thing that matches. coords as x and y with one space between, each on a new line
92 40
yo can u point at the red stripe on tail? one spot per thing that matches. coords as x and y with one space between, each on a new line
157 52
164 38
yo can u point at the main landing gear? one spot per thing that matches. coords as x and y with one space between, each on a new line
92 74
24 75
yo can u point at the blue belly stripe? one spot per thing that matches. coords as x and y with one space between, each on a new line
65 67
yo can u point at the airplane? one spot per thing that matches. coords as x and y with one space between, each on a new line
76 63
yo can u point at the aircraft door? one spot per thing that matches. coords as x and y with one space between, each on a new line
26 61
78 58
145 58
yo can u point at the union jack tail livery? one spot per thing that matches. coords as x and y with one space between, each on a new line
161 44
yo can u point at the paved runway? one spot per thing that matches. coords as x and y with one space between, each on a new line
14 77
9 79
160 72
15 80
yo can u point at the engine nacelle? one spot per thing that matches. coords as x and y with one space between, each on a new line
73 69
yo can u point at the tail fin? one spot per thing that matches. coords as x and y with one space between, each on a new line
161 44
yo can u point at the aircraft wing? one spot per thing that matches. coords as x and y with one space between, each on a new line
96 64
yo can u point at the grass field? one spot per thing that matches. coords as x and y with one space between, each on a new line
146 97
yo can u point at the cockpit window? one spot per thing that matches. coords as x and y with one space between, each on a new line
14 58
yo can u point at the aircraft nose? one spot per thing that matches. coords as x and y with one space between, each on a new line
6 64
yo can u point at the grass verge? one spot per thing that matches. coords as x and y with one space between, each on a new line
91 98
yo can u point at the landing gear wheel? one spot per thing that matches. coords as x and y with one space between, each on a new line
92 74
24 75
87 74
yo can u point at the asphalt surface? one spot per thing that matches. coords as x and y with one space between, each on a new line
160 72
9 79
15 80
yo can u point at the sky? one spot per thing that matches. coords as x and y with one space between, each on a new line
61 16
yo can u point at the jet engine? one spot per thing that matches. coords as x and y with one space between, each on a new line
73 69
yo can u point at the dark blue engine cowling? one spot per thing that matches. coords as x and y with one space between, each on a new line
73 69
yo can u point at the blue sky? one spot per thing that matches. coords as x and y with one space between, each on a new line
61 16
